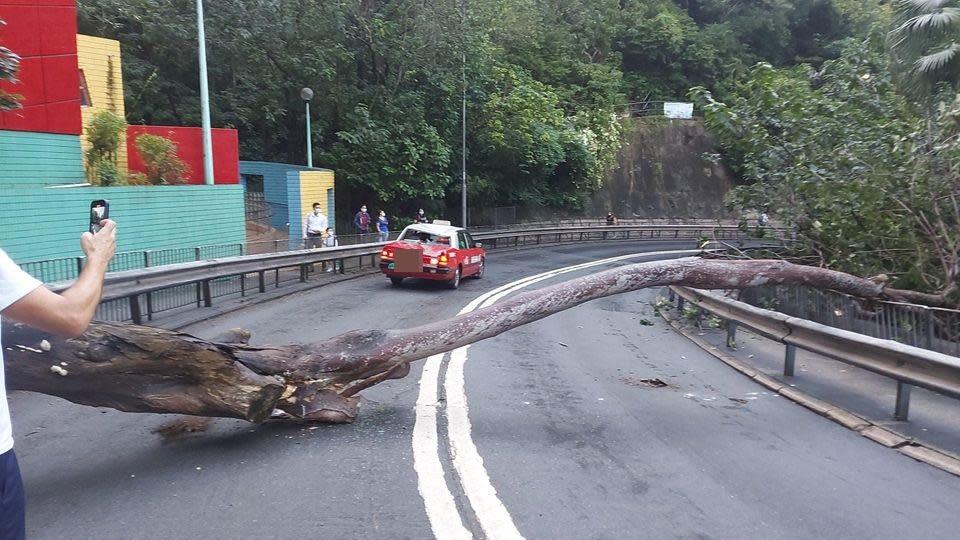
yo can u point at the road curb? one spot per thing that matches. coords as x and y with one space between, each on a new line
941 459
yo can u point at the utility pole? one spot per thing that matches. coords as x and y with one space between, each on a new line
204 100
463 115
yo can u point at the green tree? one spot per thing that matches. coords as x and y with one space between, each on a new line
925 44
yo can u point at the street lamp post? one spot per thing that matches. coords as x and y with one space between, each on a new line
306 95
204 100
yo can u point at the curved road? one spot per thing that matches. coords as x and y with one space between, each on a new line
569 442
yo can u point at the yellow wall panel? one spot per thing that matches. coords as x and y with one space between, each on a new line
313 188
99 59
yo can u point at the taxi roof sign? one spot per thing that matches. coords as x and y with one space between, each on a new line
441 222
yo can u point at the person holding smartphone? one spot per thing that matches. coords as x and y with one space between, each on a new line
23 298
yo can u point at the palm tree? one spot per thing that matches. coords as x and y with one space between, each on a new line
8 71
925 44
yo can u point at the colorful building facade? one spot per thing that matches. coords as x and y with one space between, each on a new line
63 80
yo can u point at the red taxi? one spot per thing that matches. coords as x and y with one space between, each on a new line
435 251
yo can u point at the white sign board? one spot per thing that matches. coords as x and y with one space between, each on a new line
678 110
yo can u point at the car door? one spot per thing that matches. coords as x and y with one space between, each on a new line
468 254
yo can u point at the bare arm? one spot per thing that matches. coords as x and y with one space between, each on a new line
69 313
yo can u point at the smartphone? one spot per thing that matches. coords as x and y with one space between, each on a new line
99 211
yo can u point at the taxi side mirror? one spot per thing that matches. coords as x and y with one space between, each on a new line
478 244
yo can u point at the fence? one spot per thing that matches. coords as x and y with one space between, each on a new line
936 329
908 365
137 295
643 109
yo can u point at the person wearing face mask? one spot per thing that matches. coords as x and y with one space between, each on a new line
362 221
313 226
383 227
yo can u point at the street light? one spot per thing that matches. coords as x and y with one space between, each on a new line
204 100
306 95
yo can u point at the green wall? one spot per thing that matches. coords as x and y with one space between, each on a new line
32 159
45 223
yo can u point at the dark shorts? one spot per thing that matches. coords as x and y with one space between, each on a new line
11 499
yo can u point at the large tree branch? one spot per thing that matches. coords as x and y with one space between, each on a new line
140 369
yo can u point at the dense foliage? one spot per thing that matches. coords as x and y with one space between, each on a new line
870 181
546 80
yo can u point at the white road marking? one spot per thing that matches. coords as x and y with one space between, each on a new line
441 508
467 462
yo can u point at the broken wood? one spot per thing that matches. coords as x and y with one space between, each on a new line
140 369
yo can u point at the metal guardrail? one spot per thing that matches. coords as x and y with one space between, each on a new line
908 365
936 329
139 294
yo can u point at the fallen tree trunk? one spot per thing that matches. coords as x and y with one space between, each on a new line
141 369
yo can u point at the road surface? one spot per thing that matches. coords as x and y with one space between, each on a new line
559 438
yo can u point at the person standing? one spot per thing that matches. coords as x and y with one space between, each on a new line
329 241
313 226
362 221
23 298
383 227
421 217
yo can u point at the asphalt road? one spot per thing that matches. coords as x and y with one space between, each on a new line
575 445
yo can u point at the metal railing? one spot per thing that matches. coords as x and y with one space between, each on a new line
137 295
640 109
936 329
906 364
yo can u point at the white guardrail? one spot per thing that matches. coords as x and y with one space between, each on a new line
908 365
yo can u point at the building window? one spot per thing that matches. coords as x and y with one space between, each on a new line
85 100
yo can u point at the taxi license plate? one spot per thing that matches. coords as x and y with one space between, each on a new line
391 266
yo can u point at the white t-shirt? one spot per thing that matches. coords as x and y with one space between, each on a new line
14 285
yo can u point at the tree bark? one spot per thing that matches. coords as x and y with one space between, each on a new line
140 369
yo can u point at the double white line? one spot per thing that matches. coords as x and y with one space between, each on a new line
445 518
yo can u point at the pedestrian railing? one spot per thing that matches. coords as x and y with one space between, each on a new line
906 364
936 329
137 295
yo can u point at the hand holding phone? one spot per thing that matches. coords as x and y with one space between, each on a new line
99 211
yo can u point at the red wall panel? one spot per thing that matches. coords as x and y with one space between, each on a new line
21 34
44 34
61 78
58 30
189 141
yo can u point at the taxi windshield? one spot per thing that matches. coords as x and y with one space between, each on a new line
424 237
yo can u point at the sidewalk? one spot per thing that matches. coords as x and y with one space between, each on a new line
934 419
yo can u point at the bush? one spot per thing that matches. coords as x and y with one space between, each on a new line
160 161
103 135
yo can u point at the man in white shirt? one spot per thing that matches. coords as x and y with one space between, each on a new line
24 299
313 226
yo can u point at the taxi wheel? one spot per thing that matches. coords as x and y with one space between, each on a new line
396 281
483 266
455 282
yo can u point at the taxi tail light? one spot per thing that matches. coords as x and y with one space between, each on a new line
443 260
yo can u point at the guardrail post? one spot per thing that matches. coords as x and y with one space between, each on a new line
79 265
373 261
902 410
207 297
343 270
303 273
731 334
928 316
146 259
135 309
789 360
196 257
262 281
149 306
243 284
